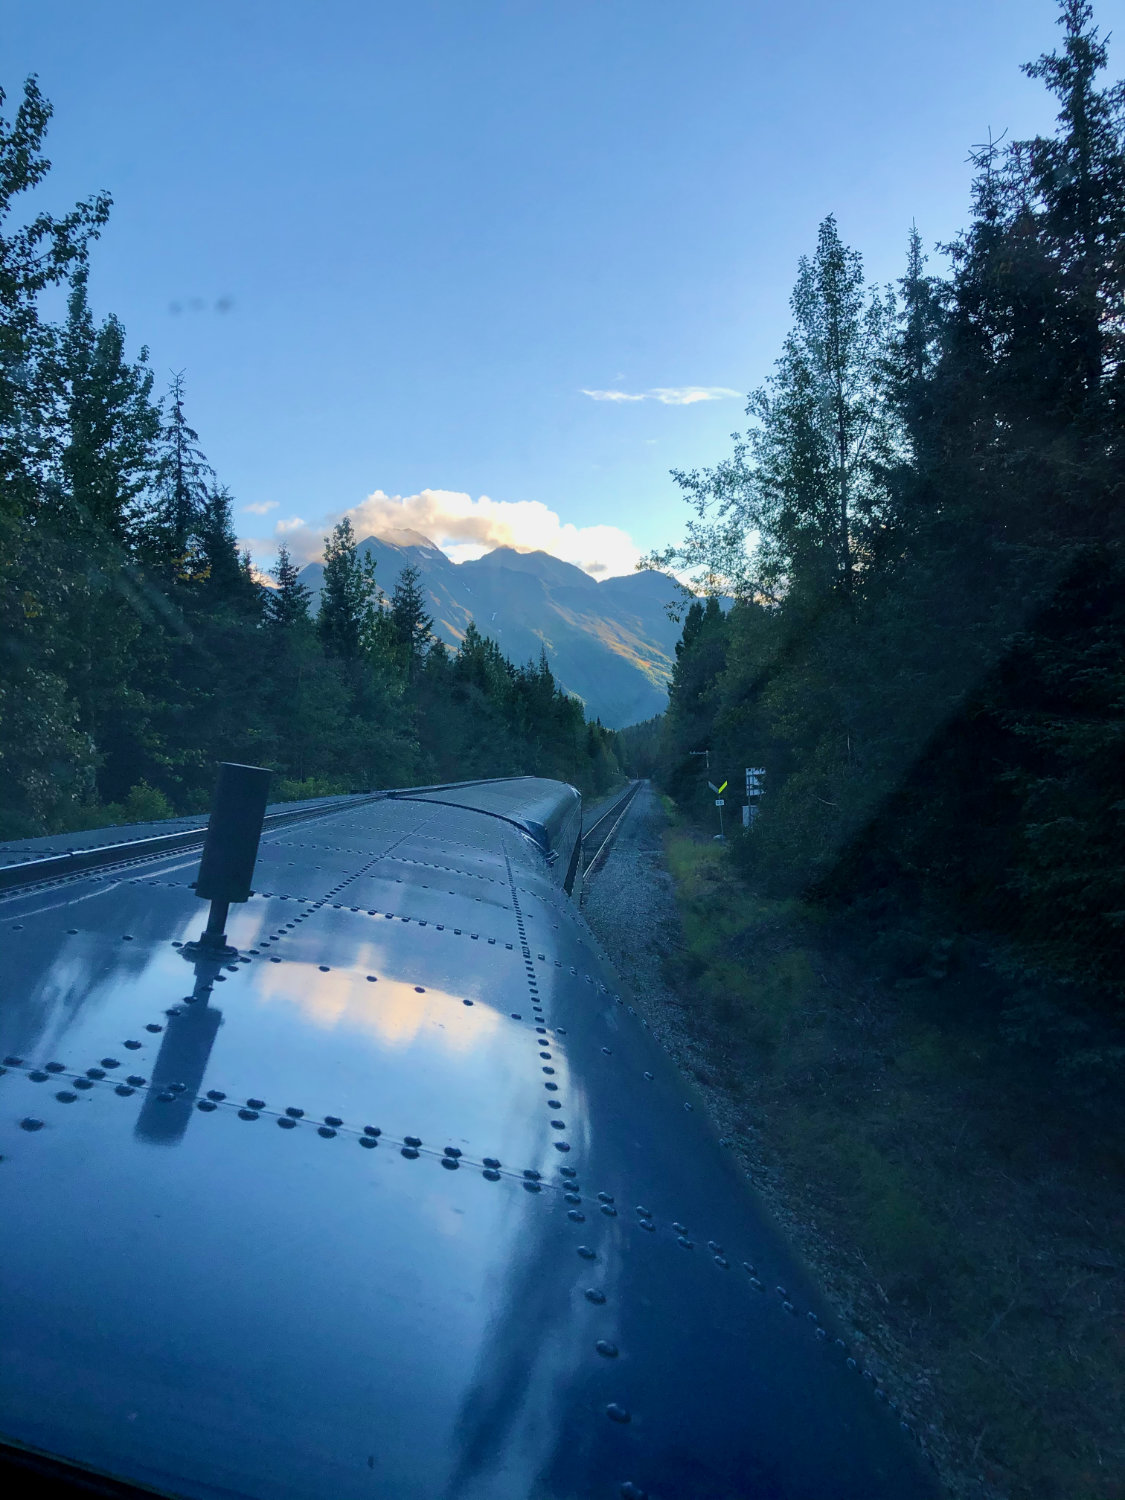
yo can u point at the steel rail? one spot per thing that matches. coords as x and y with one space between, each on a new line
104 856
612 816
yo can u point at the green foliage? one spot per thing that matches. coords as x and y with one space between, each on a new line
690 721
412 627
923 531
953 1194
138 647
639 747
110 425
145 804
47 762
349 601
804 481
287 606
181 481
286 789
479 715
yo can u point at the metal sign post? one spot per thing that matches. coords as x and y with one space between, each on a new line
719 803
754 790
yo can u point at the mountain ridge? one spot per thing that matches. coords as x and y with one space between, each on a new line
609 641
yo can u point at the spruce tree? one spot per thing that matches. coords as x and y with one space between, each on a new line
287 606
110 425
349 596
912 356
46 761
1079 181
411 624
33 256
182 476
219 559
107 429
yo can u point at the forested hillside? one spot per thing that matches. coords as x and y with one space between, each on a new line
904 984
609 641
138 646
923 527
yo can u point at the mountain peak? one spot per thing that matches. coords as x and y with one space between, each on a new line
541 564
403 536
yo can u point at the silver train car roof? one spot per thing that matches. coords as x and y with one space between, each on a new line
401 1202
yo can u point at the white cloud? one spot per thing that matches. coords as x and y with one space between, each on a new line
668 395
465 528
261 507
688 395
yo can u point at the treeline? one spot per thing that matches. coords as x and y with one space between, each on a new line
139 647
922 535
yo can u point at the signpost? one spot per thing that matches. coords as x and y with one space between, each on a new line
720 802
754 790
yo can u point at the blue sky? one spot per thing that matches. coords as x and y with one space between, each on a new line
394 244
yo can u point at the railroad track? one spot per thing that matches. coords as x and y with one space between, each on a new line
105 856
597 838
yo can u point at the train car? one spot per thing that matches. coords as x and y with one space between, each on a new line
396 1199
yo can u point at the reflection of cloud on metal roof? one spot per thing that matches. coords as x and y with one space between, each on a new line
390 1010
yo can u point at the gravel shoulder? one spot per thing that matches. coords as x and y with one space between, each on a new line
631 907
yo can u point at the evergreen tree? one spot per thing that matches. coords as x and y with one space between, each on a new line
411 624
138 645
481 663
33 256
109 423
219 558
949 744
349 596
92 498
912 355
689 725
1078 178
287 606
182 476
46 762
